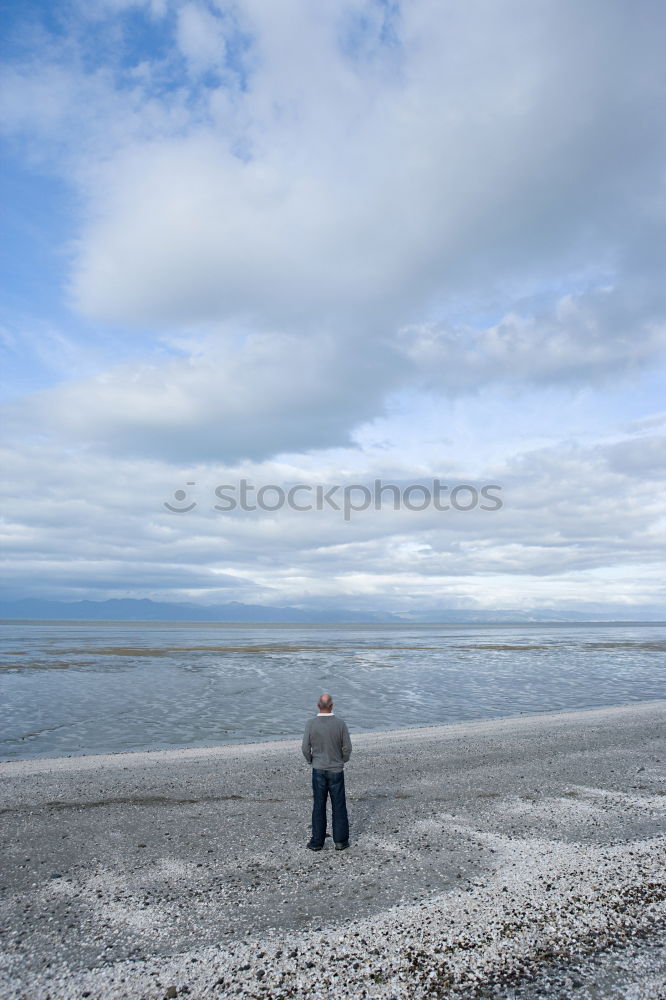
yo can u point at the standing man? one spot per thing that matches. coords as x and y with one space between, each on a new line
327 746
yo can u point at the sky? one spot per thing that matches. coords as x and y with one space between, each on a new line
328 245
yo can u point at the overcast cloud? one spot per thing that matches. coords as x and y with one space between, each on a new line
328 243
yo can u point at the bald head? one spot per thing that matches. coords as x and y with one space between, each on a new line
325 703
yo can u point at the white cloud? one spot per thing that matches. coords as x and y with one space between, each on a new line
582 339
324 225
37 99
473 158
200 37
265 394
574 523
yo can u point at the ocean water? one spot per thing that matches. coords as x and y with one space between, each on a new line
102 687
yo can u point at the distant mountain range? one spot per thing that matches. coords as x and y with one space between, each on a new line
132 609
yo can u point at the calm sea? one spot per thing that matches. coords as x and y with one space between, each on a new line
97 687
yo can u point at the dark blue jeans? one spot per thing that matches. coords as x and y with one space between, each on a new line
325 783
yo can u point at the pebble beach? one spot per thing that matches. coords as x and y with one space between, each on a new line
513 858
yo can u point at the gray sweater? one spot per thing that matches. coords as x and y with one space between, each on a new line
326 743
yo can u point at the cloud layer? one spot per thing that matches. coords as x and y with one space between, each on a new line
297 222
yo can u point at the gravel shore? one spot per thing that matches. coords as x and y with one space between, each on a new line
517 858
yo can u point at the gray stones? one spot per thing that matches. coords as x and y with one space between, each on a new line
544 881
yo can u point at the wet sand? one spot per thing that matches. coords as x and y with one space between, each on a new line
512 858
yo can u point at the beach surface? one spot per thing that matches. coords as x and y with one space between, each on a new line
516 858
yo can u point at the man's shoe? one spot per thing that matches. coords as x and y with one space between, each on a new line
313 847
342 847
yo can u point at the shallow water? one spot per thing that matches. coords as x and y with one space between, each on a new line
95 687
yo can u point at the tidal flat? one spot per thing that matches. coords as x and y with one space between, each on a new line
114 687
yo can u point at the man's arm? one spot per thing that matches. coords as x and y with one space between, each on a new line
305 746
346 743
